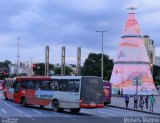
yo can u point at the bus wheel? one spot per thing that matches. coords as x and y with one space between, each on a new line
75 110
55 106
105 103
24 102
41 106
6 98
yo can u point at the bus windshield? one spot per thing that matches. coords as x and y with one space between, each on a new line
1 84
92 90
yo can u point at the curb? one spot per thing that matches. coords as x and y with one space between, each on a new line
134 110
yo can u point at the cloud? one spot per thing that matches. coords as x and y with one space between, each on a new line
69 23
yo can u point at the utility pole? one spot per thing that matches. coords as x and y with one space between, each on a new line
18 56
31 58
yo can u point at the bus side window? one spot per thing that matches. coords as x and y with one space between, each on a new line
24 84
37 85
73 86
62 85
30 84
17 86
50 86
54 85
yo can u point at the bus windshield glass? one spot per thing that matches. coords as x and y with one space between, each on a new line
92 90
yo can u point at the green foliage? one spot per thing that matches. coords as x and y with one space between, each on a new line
156 75
5 64
40 69
23 74
68 71
92 66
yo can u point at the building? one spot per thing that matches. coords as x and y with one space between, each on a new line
157 61
150 48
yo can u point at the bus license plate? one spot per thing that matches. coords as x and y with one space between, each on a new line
93 104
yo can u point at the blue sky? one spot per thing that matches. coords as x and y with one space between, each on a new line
70 23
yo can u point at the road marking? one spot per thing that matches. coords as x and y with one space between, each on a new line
105 117
3 110
37 111
71 118
106 113
11 106
87 112
30 117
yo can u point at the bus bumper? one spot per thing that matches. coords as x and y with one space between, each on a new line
91 105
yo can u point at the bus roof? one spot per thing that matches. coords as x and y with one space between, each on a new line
10 78
71 77
33 77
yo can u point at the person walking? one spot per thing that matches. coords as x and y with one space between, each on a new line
126 98
141 102
146 101
118 92
135 101
152 101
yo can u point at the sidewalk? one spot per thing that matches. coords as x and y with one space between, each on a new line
120 103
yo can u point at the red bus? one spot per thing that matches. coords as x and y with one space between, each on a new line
60 92
1 84
25 90
107 92
8 89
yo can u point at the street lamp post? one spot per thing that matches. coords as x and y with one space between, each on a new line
101 31
151 65
136 86
31 58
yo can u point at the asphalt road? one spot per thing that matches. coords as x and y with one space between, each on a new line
16 113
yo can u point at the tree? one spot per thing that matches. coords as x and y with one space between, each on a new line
92 66
68 71
5 64
156 74
39 69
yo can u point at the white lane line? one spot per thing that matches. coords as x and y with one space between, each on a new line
12 106
4 111
16 109
30 117
106 113
87 112
37 111
71 118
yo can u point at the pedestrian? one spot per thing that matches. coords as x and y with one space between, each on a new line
152 101
118 92
135 101
126 98
141 102
146 101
